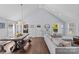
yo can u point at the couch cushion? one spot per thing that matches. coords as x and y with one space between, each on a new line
67 50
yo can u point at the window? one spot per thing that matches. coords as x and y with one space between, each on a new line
71 28
25 28
10 25
38 26
2 25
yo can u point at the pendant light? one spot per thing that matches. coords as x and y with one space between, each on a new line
21 11
20 22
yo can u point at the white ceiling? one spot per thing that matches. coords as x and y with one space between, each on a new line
65 12
13 11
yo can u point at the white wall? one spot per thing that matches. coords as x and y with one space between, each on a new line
6 32
41 17
3 32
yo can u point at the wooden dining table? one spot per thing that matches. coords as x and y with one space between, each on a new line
18 41
14 38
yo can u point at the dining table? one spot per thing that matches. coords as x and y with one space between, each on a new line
18 41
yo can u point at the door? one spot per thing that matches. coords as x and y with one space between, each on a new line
39 32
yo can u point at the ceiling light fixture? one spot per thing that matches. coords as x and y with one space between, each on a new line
20 21
21 14
21 11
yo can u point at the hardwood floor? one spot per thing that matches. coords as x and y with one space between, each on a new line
38 46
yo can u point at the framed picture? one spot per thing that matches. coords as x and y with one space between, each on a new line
55 27
47 26
38 26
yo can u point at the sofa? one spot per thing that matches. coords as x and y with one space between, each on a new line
55 48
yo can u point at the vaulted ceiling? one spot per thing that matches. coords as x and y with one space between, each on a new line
65 12
13 11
